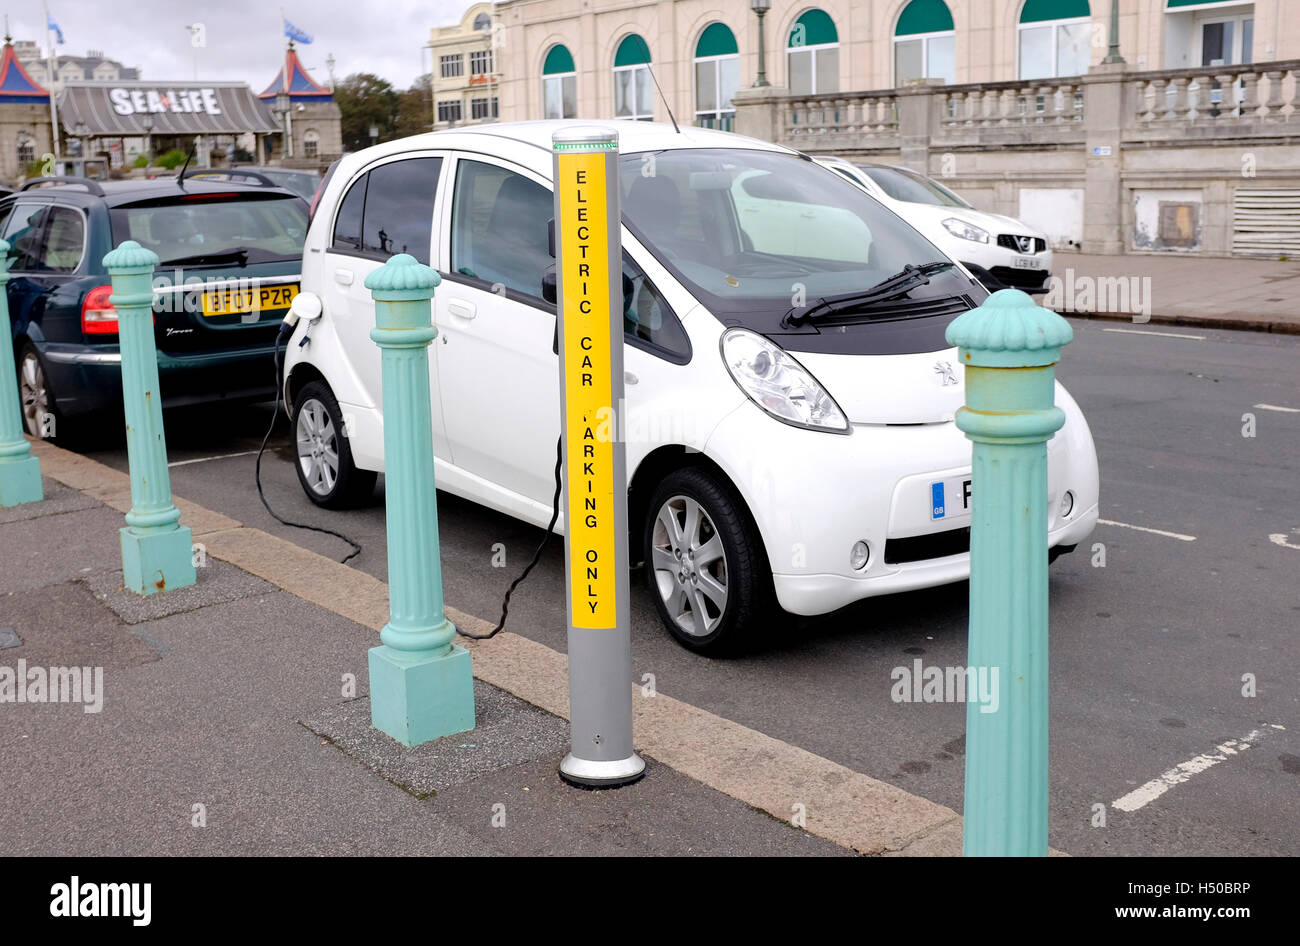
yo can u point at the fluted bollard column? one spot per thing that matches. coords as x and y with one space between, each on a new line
20 472
1009 346
157 551
421 683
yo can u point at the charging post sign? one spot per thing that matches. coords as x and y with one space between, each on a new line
590 312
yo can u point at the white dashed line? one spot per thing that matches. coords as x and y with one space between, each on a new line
224 456
1169 535
1275 407
1280 538
1145 794
1138 331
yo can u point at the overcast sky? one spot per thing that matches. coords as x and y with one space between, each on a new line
244 38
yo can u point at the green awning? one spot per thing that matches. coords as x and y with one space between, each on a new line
924 16
1036 11
558 60
818 28
716 40
1190 3
632 51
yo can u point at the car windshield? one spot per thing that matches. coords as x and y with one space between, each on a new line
754 230
198 228
913 188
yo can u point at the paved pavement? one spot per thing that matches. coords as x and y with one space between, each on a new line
1257 295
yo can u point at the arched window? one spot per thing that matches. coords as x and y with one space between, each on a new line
633 87
482 22
310 144
559 84
1054 36
813 54
925 46
717 76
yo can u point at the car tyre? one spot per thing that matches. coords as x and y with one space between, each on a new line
324 462
703 555
40 415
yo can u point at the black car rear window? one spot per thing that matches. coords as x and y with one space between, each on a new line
264 227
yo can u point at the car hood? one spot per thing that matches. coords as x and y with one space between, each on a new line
922 388
933 215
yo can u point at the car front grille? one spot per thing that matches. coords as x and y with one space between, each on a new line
919 548
1030 279
1011 241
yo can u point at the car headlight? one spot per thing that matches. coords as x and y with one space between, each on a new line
965 231
778 384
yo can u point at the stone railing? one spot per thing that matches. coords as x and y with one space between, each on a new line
1010 104
840 120
1236 96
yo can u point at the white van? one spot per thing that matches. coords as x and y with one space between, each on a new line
788 420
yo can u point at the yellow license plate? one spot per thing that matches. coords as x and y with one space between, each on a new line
237 300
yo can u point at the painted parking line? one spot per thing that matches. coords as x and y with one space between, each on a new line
1275 407
1280 538
1138 331
1128 525
223 456
1144 795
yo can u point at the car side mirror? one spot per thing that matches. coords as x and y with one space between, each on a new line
548 284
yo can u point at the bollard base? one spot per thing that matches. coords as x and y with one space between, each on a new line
157 561
20 481
416 697
586 773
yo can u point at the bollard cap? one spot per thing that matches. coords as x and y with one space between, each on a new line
402 279
130 257
1009 330
579 138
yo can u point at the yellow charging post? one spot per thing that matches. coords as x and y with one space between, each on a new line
590 311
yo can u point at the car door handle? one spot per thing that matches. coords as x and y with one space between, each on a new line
343 277
461 308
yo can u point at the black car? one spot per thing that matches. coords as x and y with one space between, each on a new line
303 183
231 259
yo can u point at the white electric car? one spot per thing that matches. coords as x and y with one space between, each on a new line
790 394
1001 252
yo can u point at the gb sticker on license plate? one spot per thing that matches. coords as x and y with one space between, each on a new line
950 497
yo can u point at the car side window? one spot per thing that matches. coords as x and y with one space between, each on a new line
65 237
646 316
23 232
498 227
389 210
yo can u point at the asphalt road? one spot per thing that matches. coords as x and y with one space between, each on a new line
1148 651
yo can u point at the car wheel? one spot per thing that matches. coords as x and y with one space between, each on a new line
34 394
705 564
325 467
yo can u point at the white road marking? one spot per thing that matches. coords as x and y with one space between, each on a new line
1280 538
1145 794
1274 407
1169 535
1138 331
224 456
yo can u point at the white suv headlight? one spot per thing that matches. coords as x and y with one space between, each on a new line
965 231
778 384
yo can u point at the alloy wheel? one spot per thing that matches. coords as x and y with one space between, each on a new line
690 566
317 447
35 397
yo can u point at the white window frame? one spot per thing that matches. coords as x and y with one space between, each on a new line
458 103
484 56
925 52
814 49
450 59
635 116
1056 55
559 77
1202 20
718 114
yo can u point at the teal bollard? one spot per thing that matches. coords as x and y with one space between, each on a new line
1009 346
157 551
421 682
20 472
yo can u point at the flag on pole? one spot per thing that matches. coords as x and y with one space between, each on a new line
295 34
54 26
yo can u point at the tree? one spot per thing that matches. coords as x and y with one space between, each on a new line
414 109
366 101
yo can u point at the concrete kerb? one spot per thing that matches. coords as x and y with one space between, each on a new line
841 805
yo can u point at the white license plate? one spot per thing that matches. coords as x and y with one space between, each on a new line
950 498
1024 262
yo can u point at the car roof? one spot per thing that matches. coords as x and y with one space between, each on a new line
122 192
633 136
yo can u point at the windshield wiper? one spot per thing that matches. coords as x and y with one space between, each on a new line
239 253
906 279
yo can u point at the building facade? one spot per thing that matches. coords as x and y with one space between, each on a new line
311 130
1187 145
466 84
92 67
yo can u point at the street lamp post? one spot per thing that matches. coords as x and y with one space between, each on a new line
283 105
146 122
1112 54
761 7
